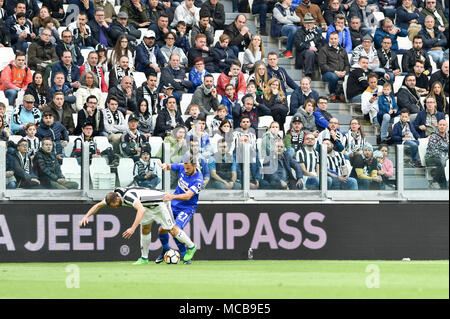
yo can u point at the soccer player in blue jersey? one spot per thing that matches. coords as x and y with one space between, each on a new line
184 203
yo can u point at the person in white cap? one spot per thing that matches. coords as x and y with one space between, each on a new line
149 58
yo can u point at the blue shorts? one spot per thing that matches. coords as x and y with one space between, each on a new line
183 216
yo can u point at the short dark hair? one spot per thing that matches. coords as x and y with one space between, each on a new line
417 37
111 197
112 97
372 75
404 110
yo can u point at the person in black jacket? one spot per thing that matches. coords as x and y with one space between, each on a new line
122 26
251 108
308 40
175 75
56 9
223 54
408 97
39 89
90 113
357 80
388 59
216 12
149 91
356 33
417 52
168 119
126 95
442 76
239 34
67 44
202 50
132 140
22 166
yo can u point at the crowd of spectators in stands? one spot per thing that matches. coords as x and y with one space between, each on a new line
232 81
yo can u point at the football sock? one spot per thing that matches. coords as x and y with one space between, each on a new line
145 244
181 247
164 238
183 238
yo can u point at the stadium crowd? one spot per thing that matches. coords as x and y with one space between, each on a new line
206 85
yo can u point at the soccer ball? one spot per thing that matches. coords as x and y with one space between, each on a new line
172 256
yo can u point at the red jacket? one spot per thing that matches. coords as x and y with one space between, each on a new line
224 79
13 77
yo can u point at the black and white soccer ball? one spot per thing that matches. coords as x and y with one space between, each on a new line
172 256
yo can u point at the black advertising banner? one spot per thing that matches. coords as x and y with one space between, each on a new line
48 231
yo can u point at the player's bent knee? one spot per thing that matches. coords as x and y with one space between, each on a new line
162 231
175 231
146 229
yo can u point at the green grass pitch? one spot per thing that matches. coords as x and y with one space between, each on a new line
295 279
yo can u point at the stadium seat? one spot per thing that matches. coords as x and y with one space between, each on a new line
217 35
6 56
117 9
287 123
404 43
139 78
106 75
281 40
19 99
378 16
15 138
289 102
71 170
209 119
85 53
446 170
100 173
423 143
433 65
400 59
69 147
264 121
241 58
75 119
156 143
185 102
344 87
60 31
216 77
102 143
125 172
398 82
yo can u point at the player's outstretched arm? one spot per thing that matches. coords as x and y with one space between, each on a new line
94 209
165 166
185 196
139 215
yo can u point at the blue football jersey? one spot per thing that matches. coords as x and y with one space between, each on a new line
185 183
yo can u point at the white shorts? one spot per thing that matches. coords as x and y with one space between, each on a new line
160 213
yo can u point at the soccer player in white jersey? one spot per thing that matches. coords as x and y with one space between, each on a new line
150 206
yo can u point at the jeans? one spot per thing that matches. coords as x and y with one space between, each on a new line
356 99
289 32
213 184
414 147
235 5
332 80
151 183
312 183
387 119
437 56
11 95
335 183
261 9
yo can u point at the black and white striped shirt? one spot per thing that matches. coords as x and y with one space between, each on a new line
335 163
147 197
310 158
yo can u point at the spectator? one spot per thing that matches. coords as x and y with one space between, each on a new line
337 172
176 76
315 13
149 91
362 10
67 44
309 161
283 177
370 97
100 49
216 12
100 29
31 138
178 146
251 109
303 93
387 28
15 77
387 110
186 12
69 69
308 40
183 38
86 135
409 18
169 48
276 71
145 125
205 96
441 21
421 79
168 119
85 6
306 114
41 52
149 58
21 33
119 71
256 180
261 8
138 12
155 10
437 92
222 167
356 32
126 95
334 8
357 80
284 23
39 89
295 136
276 101
198 73
354 140
269 138
90 113
321 114
49 128
222 114
202 162
59 85
239 34
48 23
223 54
23 114
233 76
4 134
194 112
230 100
132 140
343 32
365 169
388 60
108 7
161 29
114 122
56 9
223 130
385 165
436 155
13 8
427 120
202 50
22 165
333 133
334 65
404 133
88 87
442 76
434 40
91 64
368 50
255 52
203 26
260 77
49 169
245 129
62 112
144 172
82 34
122 27
417 52
408 97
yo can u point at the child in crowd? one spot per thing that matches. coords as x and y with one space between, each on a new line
182 38
21 33
222 114
144 172
228 99
387 109
194 112
33 141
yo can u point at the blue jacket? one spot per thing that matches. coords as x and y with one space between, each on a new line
283 76
143 58
60 67
196 78
182 42
380 34
344 36
298 98
421 119
384 106
397 132
287 163
220 54
56 132
403 17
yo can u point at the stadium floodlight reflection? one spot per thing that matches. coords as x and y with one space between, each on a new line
244 195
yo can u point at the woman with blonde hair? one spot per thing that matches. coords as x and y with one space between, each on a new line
438 93
260 77
254 52
276 101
